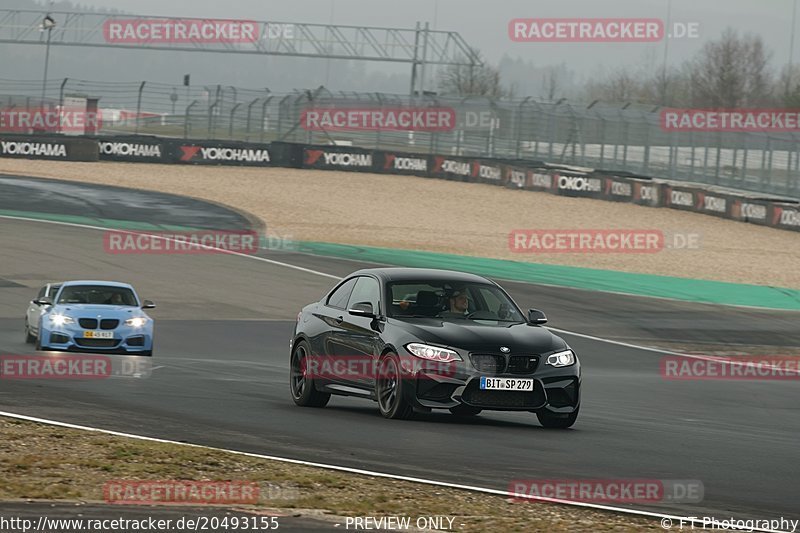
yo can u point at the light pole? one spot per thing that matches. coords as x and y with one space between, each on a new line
48 23
791 51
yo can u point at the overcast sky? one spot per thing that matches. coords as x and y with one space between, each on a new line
483 23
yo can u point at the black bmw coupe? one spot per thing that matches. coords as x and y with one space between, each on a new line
422 339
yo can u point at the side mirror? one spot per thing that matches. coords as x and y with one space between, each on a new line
44 300
147 304
536 317
362 309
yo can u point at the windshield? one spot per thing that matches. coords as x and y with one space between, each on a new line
451 300
97 295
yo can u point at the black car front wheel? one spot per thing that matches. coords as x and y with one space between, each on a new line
304 393
389 389
557 421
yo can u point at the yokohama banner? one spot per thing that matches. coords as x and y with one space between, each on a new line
50 147
786 216
452 168
404 163
569 183
220 153
133 149
338 158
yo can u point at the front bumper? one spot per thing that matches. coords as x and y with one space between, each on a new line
125 339
555 389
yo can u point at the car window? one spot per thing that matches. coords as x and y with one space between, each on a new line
53 291
341 295
41 292
492 302
366 290
433 299
97 295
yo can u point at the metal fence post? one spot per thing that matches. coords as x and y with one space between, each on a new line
139 106
263 115
186 124
249 110
230 122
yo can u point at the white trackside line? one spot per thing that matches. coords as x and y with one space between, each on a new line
685 520
139 232
716 359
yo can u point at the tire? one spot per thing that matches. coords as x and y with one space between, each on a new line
29 337
39 347
304 392
148 353
465 410
389 389
552 421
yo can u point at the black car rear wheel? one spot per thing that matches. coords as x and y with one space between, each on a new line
389 389
555 421
304 393
465 410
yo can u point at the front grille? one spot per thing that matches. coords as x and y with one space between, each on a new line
473 395
109 323
96 343
489 363
523 364
88 323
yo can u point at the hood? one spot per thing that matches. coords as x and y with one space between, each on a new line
474 336
92 310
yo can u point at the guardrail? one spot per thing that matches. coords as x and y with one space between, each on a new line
557 179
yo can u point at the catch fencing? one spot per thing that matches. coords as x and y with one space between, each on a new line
596 135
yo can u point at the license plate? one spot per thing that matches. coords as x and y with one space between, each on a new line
98 334
506 384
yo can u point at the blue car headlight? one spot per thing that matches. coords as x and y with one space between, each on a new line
561 359
59 320
136 322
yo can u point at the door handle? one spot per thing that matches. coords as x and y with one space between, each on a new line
339 319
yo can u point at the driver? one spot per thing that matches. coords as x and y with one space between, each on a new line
458 301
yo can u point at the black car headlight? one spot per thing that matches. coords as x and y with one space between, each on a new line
432 353
559 359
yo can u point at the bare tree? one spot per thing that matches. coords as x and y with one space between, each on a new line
731 72
472 80
551 82
621 85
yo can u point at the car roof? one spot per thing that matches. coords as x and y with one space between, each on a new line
96 282
413 274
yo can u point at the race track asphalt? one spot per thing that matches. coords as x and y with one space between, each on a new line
223 326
